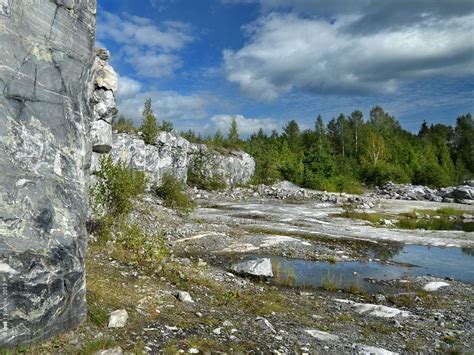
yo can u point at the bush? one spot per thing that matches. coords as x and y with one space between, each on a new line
135 246
116 187
203 174
431 174
382 173
173 194
123 125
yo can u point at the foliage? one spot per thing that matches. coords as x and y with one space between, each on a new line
203 172
116 187
149 127
135 246
233 138
166 126
123 125
349 153
172 192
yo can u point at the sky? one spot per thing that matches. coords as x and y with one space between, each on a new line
266 62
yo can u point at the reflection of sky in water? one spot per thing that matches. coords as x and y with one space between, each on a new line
436 261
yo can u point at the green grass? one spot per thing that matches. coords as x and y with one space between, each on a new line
416 219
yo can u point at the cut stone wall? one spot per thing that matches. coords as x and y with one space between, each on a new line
46 58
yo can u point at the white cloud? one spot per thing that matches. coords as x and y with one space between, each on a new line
286 51
246 126
152 50
128 87
167 105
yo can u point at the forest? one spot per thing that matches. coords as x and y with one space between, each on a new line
349 152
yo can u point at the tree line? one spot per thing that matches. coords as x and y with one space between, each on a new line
350 152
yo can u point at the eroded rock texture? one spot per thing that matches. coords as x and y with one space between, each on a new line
103 102
173 154
46 56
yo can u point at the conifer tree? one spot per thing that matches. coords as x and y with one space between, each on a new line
150 126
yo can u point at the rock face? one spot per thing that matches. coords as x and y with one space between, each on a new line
173 154
46 51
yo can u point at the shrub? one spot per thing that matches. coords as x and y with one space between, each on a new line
116 187
383 172
123 125
203 174
135 246
173 194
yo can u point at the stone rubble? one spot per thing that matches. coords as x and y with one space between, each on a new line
459 194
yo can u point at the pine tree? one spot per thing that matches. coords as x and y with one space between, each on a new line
150 126
218 138
233 138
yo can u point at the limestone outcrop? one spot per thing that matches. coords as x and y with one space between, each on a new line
46 50
174 154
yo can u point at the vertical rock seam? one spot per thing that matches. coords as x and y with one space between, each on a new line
46 58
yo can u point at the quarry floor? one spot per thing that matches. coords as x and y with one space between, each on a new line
234 313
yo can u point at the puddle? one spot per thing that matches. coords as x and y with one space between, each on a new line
410 261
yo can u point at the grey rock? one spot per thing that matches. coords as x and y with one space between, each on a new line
371 350
256 267
68 4
5 8
46 53
102 53
174 154
101 136
264 324
321 336
118 319
105 76
183 296
114 351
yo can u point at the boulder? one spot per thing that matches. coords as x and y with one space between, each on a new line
46 55
255 267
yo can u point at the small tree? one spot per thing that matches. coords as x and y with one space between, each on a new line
166 126
150 126
233 139
218 138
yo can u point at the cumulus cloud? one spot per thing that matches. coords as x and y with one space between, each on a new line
246 126
152 50
167 105
128 87
286 51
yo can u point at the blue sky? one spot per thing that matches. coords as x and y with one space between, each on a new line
266 62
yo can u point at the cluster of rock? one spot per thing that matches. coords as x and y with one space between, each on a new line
286 190
46 50
174 155
460 194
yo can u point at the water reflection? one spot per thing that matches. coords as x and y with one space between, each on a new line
440 262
